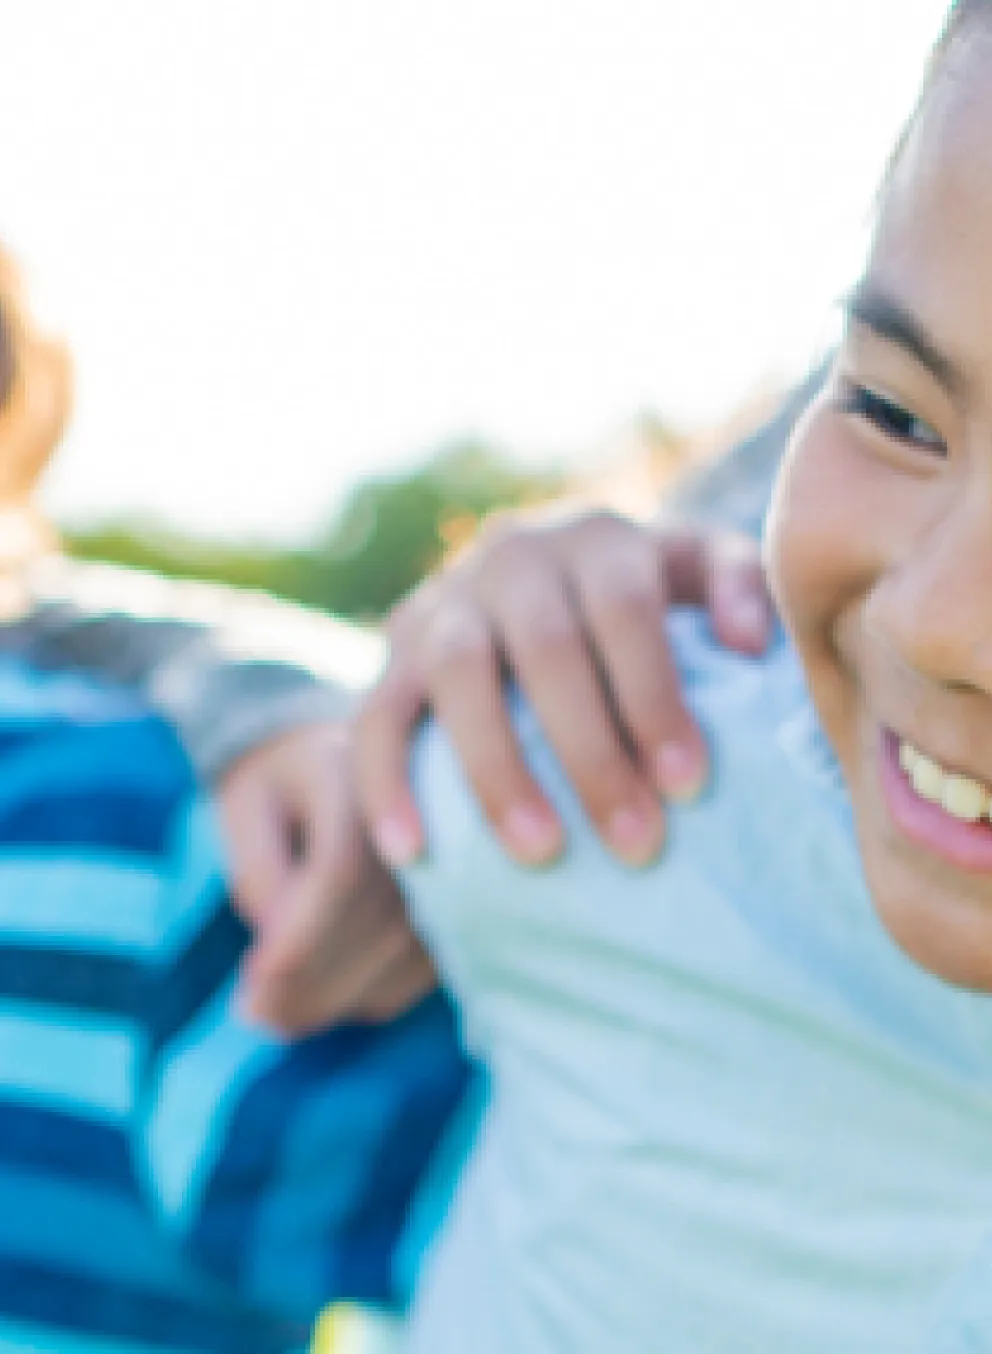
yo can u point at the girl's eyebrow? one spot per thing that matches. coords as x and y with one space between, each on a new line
879 311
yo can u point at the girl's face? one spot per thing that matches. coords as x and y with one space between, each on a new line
880 542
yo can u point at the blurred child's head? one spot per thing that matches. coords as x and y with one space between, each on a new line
35 393
880 540
35 399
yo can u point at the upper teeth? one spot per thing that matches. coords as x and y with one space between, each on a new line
960 796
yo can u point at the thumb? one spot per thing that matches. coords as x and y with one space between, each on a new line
260 843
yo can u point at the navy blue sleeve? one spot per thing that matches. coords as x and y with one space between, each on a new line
287 1169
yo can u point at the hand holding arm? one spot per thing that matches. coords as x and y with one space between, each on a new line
601 681
572 608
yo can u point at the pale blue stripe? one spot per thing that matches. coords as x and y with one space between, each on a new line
191 897
88 1065
92 901
21 1338
199 1091
28 697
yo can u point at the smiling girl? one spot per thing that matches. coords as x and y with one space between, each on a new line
729 1110
880 541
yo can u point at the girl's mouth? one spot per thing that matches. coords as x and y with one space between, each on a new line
936 809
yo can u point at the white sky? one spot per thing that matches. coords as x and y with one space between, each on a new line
295 242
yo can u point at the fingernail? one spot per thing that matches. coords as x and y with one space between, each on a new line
635 834
750 618
532 834
397 841
679 772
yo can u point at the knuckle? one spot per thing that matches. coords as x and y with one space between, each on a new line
542 621
513 552
625 586
458 637
623 578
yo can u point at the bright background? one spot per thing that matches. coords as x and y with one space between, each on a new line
297 242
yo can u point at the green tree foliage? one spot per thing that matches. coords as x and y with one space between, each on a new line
389 532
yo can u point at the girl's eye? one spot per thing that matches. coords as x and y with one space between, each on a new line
891 418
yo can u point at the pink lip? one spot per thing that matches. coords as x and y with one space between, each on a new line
965 845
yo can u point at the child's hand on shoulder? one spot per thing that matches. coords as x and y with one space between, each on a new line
571 607
331 939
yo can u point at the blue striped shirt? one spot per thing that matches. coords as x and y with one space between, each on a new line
172 1179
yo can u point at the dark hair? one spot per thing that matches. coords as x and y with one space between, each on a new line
960 17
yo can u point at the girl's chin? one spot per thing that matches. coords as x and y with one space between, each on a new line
950 938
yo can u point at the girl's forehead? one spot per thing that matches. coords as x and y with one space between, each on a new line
950 147
933 241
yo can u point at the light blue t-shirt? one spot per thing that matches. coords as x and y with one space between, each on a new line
727 1114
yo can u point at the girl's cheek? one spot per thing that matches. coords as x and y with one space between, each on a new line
818 541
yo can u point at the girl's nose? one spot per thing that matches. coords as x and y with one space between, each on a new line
934 605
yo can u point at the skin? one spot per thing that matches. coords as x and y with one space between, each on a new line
6 359
571 605
880 545
330 934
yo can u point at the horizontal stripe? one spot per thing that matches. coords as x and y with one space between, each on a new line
63 1299
87 1065
86 900
30 696
98 984
19 1337
188 984
65 1146
103 900
110 752
109 1237
161 990
119 820
114 785
198 867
